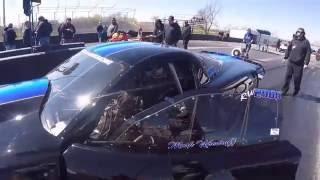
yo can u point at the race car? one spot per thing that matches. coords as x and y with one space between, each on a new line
137 110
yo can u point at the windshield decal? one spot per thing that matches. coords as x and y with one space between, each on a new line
97 57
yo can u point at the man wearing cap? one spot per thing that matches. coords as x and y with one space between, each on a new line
298 55
172 32
67 31
186 34
43 31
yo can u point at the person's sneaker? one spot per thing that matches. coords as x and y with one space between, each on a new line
295 93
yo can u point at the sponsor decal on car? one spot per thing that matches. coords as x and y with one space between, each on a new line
203 144
262 93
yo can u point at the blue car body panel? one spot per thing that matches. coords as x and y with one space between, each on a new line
107 49
24 90
232 68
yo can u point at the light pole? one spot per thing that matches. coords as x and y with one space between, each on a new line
4 12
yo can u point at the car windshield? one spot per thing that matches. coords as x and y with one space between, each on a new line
74 85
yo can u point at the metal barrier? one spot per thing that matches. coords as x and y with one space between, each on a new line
92 37
36 49
32 66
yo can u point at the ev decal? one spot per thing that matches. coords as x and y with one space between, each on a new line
262 93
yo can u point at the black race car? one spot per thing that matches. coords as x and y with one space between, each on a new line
133 110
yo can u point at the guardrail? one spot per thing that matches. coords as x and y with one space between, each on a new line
32 66
35 49
92 37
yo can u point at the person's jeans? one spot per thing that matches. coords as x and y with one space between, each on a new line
10 46
185 43
44 41
100 37
296 71
248 47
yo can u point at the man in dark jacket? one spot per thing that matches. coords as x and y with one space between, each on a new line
172 32
298 55
158 31
99 31
27 34
67 31
186 34
43 31
9 37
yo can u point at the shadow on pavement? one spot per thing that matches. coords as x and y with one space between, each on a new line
309 97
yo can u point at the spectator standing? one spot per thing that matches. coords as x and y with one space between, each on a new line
27 34
60 32
9 37
113 28
68 31
100 31
278 45
248 41
186 34
105 33
43 31
172 32
140 31
158 31
298 55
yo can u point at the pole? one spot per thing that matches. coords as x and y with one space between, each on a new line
4 13
34 40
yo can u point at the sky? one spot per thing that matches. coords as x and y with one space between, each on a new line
281 17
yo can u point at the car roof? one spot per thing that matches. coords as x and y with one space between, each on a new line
133 53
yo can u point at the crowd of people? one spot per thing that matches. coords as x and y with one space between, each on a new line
40 35
169 34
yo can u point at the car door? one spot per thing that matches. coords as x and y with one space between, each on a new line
218 119
136 148
139 147
267 156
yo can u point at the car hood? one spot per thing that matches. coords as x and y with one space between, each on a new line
232 68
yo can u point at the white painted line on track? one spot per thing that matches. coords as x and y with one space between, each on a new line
270 59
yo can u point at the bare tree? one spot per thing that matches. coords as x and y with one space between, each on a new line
209 14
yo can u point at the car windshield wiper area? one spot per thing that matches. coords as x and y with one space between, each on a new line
67 70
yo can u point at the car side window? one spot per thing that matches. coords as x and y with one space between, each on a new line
171 123
215 119
186 73
263 120
151 81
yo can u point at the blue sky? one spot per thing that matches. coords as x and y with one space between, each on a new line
282 17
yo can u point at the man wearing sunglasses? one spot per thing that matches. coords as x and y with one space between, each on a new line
298 55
